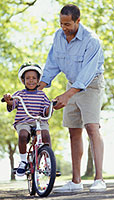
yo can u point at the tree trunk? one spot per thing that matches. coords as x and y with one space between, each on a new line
11 153
89 170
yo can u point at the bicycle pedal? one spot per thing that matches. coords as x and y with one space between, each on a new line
27 172
58 173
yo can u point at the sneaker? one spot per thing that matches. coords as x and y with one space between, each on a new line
69 187
21 169
98 186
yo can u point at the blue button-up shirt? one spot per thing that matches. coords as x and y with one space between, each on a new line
80 60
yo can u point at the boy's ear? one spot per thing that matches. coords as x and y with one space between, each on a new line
23 80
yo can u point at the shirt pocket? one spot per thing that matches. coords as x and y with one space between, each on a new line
60 59
76 62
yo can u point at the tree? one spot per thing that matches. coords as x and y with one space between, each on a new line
35 45
9 56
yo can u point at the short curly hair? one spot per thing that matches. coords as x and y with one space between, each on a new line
72 10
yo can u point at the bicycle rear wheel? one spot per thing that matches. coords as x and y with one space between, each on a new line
45 171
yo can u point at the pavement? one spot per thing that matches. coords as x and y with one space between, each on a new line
17 190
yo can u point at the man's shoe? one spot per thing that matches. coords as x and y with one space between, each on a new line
98 186
21 169
69 187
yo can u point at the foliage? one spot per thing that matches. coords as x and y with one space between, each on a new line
22 39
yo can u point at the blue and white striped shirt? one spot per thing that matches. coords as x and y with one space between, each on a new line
80 60
36 103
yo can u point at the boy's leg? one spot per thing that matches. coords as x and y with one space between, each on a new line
23 132
46 137
45 133
23 137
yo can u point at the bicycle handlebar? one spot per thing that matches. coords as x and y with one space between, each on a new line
33 117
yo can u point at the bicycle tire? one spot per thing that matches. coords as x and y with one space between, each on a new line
46 171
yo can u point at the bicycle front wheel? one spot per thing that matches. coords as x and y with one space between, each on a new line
45 171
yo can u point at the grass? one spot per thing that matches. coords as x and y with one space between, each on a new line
69 177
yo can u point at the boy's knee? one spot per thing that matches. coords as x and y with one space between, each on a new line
23 136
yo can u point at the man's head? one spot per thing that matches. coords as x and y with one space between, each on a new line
69 19
72 10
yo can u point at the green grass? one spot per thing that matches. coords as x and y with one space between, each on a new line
69 177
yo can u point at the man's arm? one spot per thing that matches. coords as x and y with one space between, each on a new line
41 85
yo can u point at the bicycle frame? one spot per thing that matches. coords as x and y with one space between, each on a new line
38 141
41 168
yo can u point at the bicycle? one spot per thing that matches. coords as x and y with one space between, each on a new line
41 167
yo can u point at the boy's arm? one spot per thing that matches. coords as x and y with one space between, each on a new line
7 98
46 111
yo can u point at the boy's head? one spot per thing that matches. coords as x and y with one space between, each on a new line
29 74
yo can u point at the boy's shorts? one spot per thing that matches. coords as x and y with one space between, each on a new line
27 126
84 107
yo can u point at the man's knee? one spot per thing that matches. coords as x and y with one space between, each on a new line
75 133
92 128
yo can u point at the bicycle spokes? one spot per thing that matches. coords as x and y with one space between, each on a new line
45 173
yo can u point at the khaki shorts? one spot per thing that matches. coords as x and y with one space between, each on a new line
84 107
27 126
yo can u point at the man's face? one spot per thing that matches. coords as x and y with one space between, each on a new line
68 25
31 79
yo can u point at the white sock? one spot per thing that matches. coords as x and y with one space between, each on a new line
23 157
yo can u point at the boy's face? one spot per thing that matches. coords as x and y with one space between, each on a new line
31 80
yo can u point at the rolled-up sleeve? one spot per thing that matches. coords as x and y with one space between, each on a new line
90 64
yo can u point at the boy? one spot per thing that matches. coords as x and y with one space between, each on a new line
36 102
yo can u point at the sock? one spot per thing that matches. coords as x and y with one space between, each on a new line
23 157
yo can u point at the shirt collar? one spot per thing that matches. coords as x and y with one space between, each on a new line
78 34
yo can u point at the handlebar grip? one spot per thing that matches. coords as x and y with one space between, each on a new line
3 100
54 103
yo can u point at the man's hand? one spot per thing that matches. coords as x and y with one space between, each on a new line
62 100
41 85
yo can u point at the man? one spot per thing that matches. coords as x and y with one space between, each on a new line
78 54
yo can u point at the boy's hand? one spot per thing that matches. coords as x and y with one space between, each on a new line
7 98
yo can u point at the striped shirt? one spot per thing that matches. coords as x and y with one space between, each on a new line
36 103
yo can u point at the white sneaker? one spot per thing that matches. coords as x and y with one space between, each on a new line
69 187
21 169
98 186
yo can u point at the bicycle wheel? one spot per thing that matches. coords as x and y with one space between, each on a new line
30 175
45 171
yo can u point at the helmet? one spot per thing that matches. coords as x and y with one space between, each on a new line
26 67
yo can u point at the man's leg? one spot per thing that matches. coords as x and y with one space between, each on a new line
97 147
76 152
